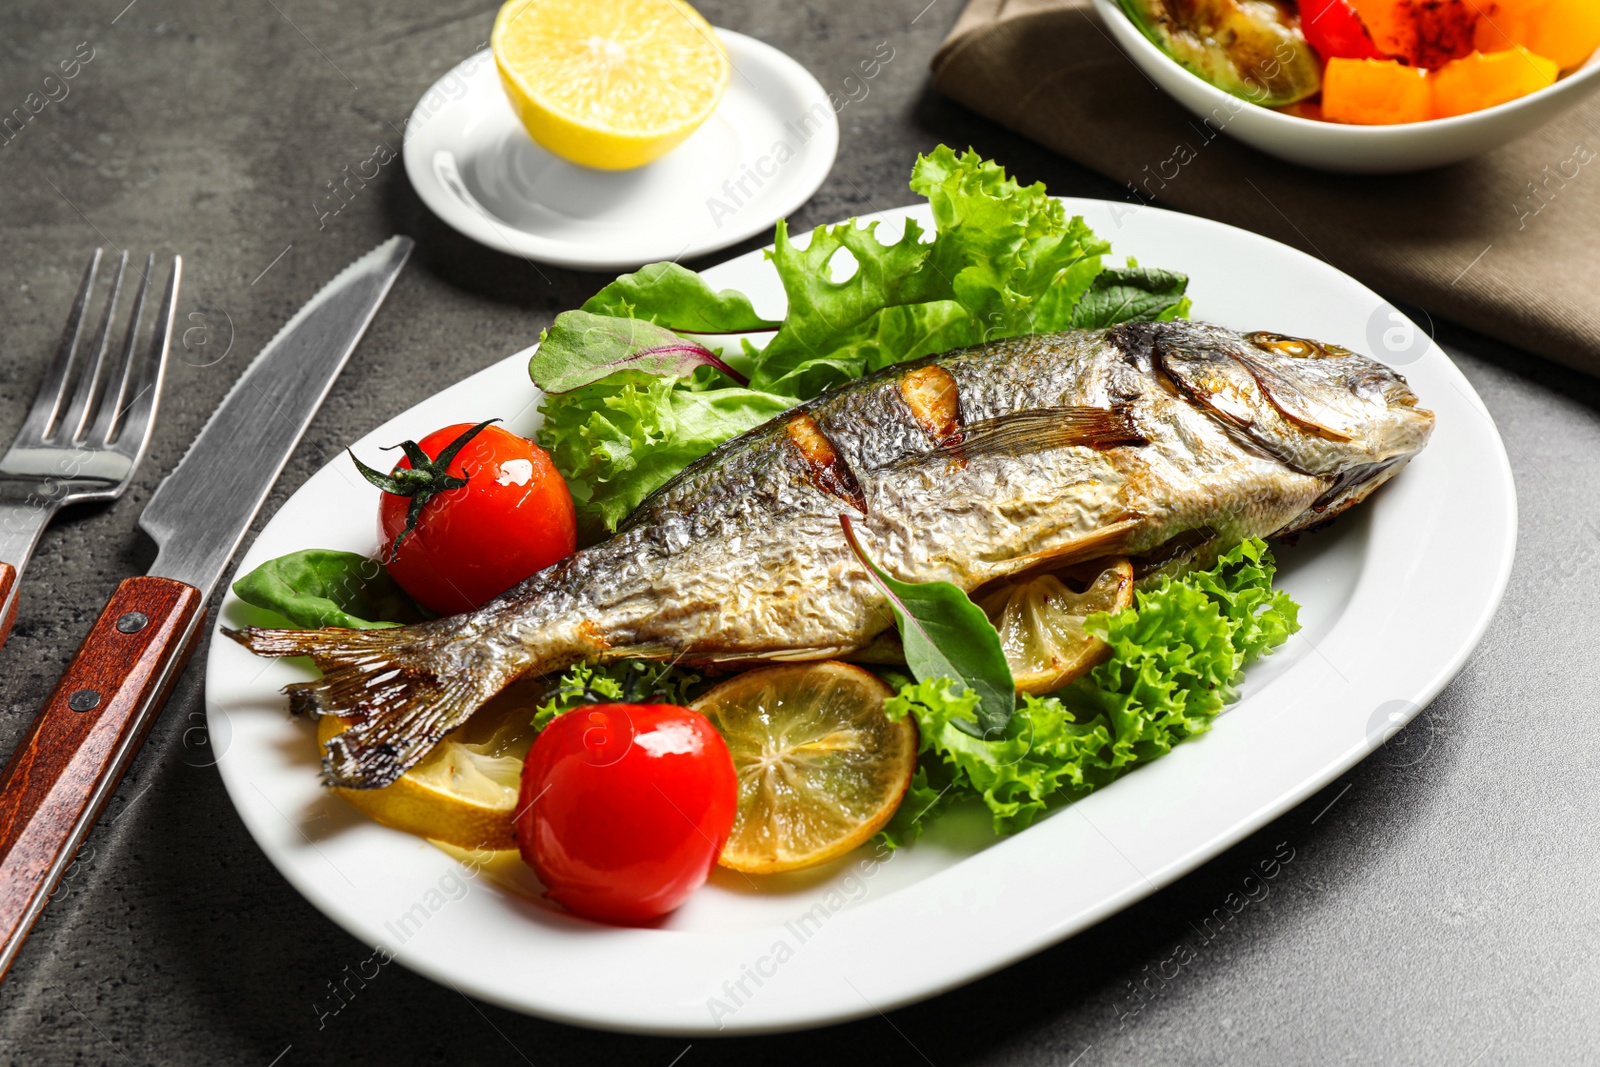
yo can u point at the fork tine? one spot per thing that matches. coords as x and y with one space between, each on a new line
91 378
134 434
108 418
53 390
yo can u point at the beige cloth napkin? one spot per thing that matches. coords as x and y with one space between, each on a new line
1508 244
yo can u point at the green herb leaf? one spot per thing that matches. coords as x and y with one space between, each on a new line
320 587
679 299
580 348
1131 294
946 635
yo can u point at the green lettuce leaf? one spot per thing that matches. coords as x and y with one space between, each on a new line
1043 751
1176 658
621 438
1002 246
679 299
580 348
820 343
320 587
1004 259
631 681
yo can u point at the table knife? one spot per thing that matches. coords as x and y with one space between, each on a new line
73 755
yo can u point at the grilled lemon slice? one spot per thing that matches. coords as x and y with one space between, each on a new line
611 84
1040 620
821 767
465 792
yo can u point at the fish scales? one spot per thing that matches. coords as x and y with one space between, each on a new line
1169 442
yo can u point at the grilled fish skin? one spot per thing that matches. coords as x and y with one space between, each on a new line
1169 442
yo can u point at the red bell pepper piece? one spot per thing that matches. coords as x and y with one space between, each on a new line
1333 28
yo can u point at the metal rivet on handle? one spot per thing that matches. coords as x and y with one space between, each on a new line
84 700
132 622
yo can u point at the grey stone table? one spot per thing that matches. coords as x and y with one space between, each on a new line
1440 906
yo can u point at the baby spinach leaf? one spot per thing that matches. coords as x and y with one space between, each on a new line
946 635
581 347
1131 294
320 587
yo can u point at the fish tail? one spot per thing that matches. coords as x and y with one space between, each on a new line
399 688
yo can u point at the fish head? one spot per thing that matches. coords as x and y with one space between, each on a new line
1318 408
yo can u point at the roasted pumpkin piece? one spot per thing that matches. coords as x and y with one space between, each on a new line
1481 81
1375 92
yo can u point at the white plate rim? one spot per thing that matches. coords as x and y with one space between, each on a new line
965 952
419 146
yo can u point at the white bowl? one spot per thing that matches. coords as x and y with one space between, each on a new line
1352 149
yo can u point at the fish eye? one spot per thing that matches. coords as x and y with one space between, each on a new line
1285 346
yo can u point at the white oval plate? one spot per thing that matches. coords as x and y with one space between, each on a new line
761 154
1339 147
1395 596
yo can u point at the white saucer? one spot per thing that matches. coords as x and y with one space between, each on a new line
763 152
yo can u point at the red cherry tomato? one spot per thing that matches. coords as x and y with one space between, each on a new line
512 519
625 808
1333 28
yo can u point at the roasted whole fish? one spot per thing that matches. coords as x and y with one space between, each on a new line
1168 442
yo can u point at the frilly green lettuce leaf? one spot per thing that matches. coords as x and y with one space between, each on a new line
679 299
1176 657
632 681
621 438
1005 259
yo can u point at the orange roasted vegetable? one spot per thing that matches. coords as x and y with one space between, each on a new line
1480 81
1423 33
1392 25
1567 31
1375 92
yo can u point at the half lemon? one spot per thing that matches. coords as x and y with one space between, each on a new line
611 84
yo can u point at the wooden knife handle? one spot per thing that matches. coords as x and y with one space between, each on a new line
8 600
70 760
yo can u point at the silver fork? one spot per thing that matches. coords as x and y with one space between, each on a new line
89 425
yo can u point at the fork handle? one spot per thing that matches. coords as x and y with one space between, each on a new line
72 757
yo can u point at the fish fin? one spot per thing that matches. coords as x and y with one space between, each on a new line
1298 406
1036 430
781 655
1108 540
385 682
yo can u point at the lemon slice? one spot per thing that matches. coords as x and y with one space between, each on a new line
1040 619
611 84
821 767
465 792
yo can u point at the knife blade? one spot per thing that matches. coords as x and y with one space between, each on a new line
73 755
201 512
